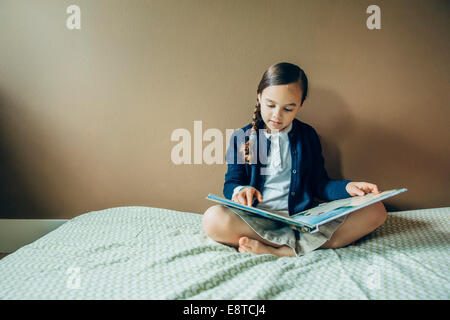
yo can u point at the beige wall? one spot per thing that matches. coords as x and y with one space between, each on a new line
86 115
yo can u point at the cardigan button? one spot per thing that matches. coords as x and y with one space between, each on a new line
293 193
294 171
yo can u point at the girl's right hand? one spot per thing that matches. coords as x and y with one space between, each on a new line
246 196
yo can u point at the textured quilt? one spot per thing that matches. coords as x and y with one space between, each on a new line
152 253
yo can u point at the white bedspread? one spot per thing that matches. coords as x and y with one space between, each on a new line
151 253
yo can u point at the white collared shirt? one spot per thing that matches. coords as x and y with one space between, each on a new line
278 173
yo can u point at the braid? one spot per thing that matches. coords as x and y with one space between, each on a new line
256 119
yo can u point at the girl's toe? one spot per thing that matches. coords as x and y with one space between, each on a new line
243 249
242 241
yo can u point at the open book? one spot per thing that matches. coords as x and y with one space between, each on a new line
309 220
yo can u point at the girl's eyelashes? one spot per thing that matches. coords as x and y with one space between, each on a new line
271 106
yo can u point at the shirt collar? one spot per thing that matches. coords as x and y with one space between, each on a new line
281 133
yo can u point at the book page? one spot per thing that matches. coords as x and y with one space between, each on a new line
325 207
347 202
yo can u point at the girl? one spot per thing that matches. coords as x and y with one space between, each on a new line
286 181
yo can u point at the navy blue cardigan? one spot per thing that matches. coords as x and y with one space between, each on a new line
309 178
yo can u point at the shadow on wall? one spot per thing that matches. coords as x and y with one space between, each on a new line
378 154
16 199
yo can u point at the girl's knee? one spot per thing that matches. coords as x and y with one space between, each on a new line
373 215
215 220
378 214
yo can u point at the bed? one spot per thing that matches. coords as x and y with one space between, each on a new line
153 253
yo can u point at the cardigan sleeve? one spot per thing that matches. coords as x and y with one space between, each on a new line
323 187
236 174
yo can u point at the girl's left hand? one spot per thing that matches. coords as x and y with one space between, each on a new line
361 188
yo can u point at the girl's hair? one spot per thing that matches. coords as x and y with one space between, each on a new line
277 74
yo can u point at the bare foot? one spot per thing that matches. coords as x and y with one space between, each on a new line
247 245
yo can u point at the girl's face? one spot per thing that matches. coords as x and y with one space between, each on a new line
279 105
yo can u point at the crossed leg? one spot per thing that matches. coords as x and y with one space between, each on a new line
358 224
223 225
